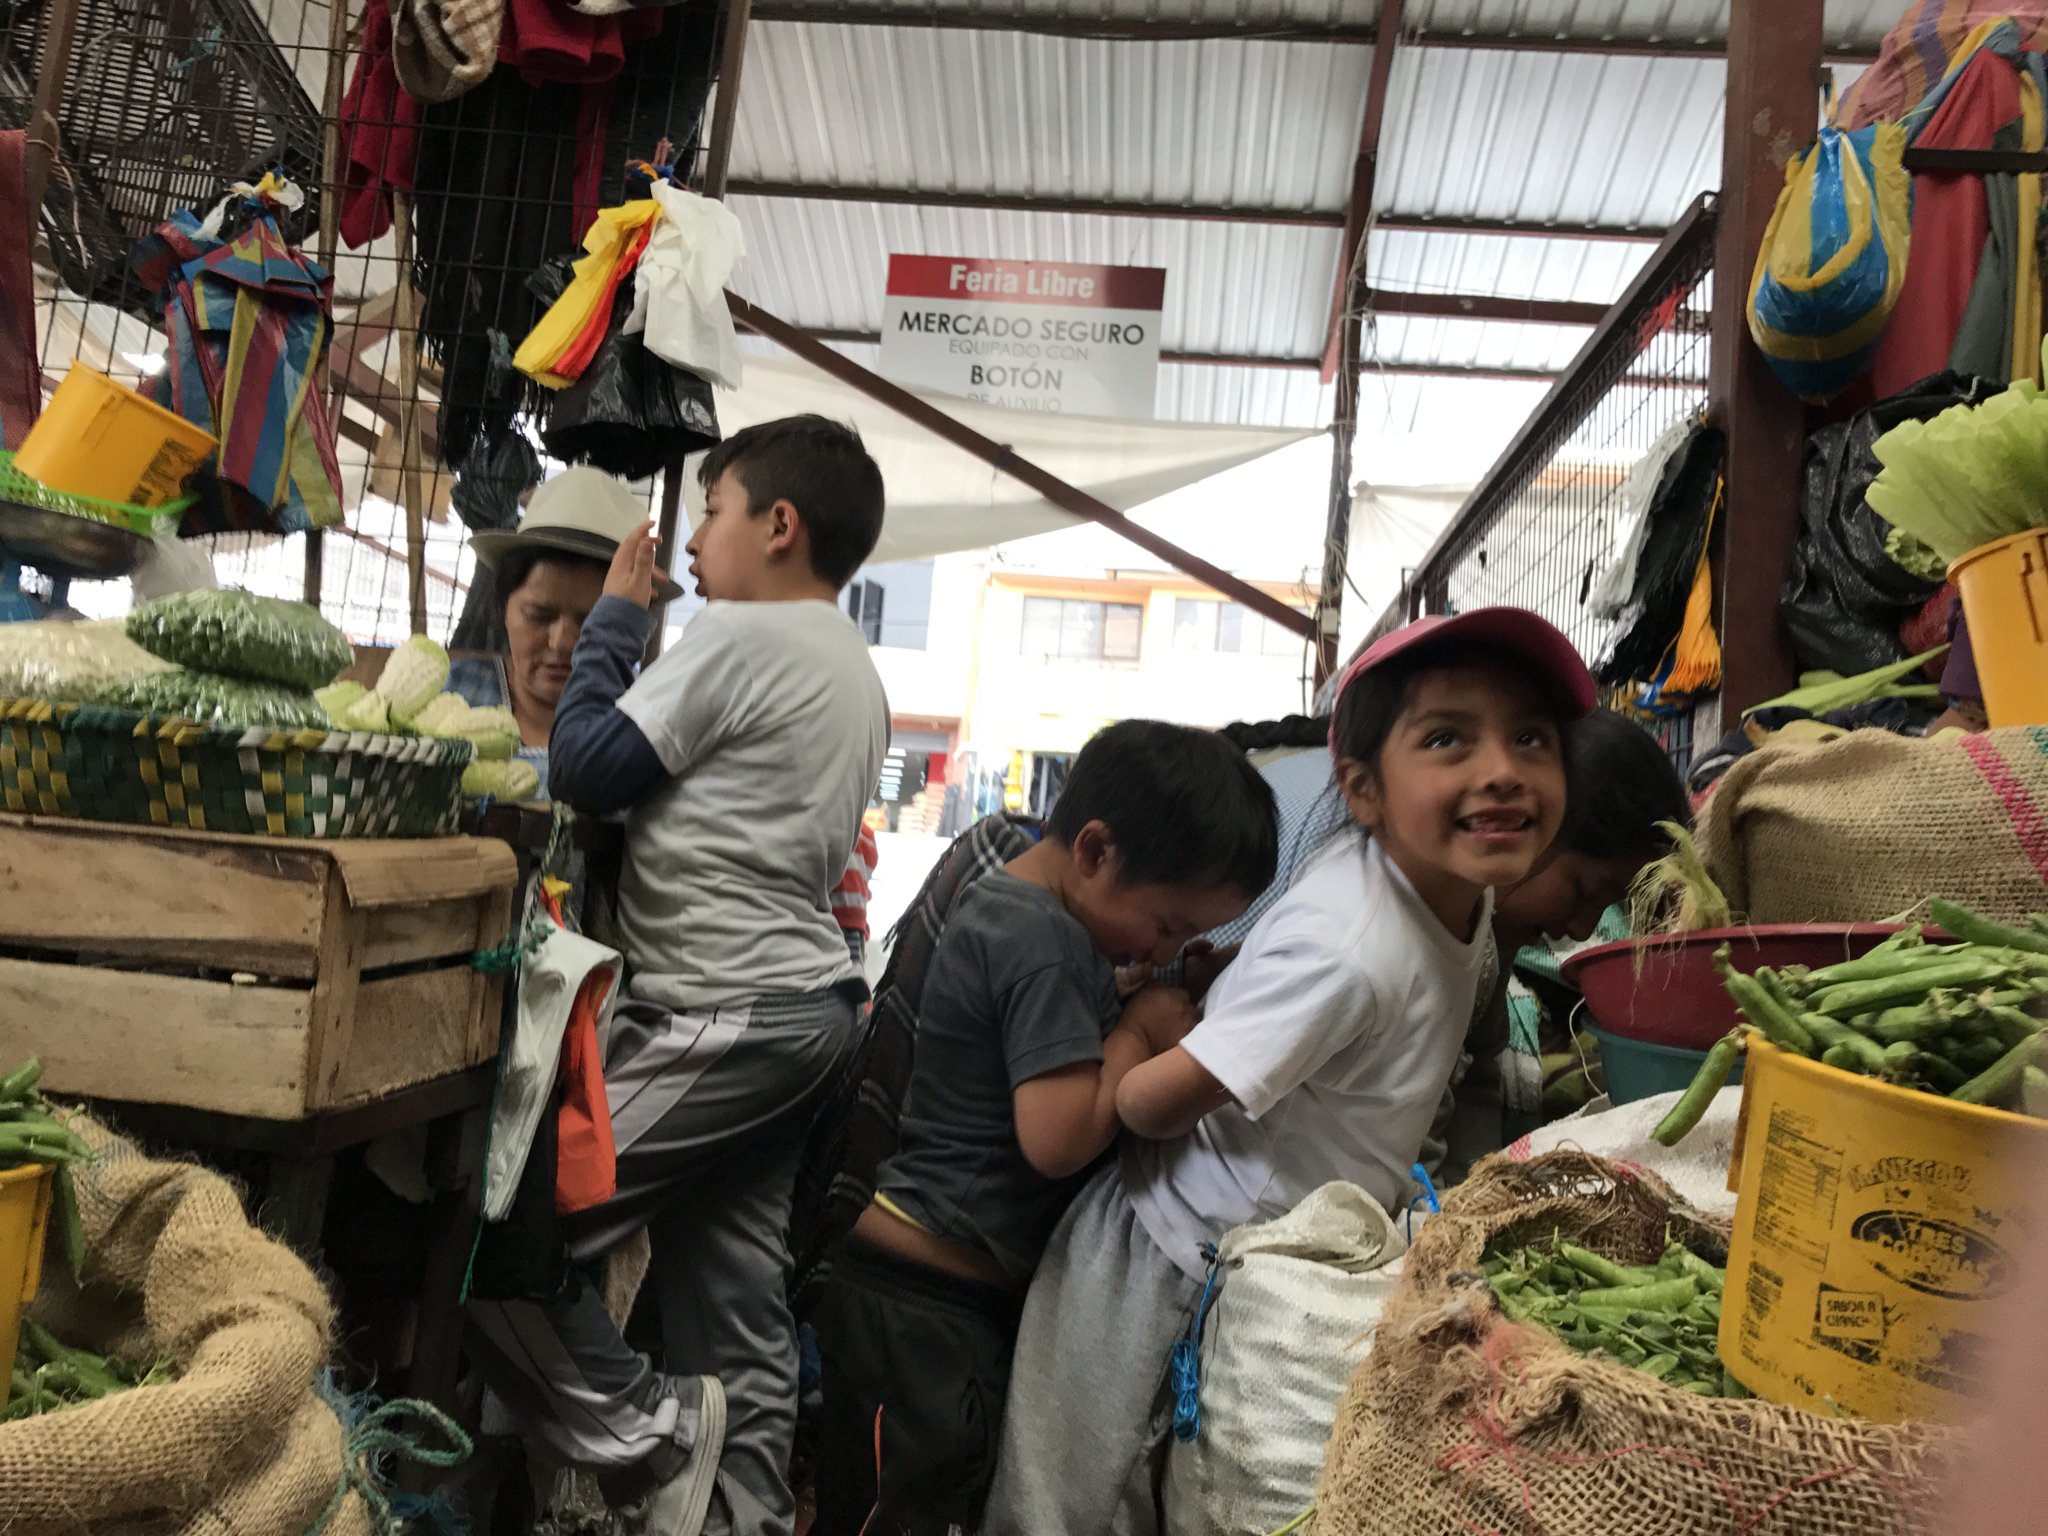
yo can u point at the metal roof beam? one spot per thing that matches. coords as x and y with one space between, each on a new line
1340 335
867 13
850 337
1214 213
1007 202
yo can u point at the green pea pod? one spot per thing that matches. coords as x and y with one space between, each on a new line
1691 1107
1863 996
1864 1054
1877 965
1664 1296
2011 1026
1975 929
2001 1079
1762 1009
17 1085
1943 1075
1603 1271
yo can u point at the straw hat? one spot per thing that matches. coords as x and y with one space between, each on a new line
582 511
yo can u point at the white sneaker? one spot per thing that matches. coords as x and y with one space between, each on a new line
678 1507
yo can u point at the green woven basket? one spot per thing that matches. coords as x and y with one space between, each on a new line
150 522
107 764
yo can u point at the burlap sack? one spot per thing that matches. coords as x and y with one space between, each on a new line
1461 1421
240 1444
1868 827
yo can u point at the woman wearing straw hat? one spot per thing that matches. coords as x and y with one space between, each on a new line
549 573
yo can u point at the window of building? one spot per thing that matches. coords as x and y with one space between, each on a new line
1210 624
1072 629
864 604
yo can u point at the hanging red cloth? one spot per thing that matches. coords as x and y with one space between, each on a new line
380 134
546 41
1950 224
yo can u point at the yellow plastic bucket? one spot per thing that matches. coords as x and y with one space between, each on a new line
24 1221
99 438
2005 599
1874 1242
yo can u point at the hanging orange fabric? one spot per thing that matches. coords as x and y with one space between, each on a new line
586 1158
574 361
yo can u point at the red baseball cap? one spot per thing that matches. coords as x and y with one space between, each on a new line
1535 640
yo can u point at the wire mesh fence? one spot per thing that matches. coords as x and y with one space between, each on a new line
1540 528
437 220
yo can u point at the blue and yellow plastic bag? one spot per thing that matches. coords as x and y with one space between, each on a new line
1833 259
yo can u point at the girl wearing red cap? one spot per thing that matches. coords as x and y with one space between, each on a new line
1322 1053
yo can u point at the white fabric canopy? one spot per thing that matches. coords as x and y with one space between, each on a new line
942 498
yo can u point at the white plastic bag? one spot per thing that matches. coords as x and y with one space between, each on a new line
679 286
549 980
1283 1336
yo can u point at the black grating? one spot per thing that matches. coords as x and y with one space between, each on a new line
168 102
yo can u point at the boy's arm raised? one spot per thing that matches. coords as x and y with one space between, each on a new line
598 759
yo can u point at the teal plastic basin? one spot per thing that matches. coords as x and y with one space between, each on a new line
1637 1069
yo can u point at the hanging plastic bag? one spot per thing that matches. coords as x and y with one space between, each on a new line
1833 259
588 299
631 413
679 288
567 975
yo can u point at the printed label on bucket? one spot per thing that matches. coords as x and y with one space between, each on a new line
163 478
1868 1278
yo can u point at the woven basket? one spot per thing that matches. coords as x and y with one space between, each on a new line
105 764
150 522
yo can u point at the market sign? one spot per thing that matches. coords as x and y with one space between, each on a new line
1032 335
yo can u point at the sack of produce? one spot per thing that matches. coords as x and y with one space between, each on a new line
69 663
238 1441
1864 829
209 699
1496 1397
1295 1304
239 634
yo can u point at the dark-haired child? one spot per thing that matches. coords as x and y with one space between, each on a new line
744 758
1159 833
1322 1054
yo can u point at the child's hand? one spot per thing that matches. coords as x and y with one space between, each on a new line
1201 963
633 575
1161 1016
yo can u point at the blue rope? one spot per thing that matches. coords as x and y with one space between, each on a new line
1187 1361
371 1433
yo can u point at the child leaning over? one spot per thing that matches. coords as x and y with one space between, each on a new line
1161 832
1323 1051
745 756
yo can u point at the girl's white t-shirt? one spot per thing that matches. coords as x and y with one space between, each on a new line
1336 1031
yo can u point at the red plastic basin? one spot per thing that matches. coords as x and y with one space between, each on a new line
1677 998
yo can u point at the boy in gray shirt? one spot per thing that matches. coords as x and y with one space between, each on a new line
1161 833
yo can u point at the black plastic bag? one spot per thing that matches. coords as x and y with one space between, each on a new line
1844 597
631 413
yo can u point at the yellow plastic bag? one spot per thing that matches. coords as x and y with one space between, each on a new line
1833 259
608 240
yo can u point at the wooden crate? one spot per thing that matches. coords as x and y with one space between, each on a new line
249 975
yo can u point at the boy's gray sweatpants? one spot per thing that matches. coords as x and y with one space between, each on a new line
709 1111
1090 1413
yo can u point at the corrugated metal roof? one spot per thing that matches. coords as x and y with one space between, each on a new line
1852 24
1264 124
1539 137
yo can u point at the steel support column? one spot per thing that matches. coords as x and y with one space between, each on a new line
1774 61
1342 343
